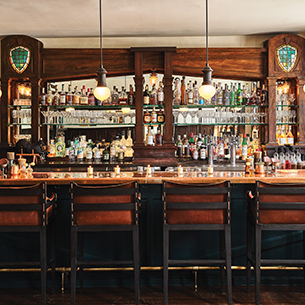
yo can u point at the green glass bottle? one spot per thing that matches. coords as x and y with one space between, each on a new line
239 94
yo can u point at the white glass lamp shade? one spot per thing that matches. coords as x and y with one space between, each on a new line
101 93
0 93
207 91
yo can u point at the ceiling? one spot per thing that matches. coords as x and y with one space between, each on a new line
132 18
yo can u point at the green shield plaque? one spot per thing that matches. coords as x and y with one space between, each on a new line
19 58
287 57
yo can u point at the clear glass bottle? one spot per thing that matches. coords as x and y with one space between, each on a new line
153 98
154 117
160 94
177 91
190 94
62 96
114 96
196 93
76 96
290 137
42 97
226 96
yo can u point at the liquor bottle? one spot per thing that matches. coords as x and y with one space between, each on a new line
283 137
190 94
258 94
123 98
159 137
131 97
76 96
179 148
220 148
42 97
55 101
160 94
219 95
203 151
114 96
150 137
49 98
278 132
244 148
60 147
129 141
191 143
232 99
253 95
62 96
91 98
290 137
199 140
147 117
154 117
146 96
52 151
264 96
214 97
153 98
84 97
123 139
195 93
239 95
183 93
246 95
177 92
69 97
226 96
160 116
106 153
185 144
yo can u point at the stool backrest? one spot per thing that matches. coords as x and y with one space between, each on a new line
196 203
23 205
107 204
279 203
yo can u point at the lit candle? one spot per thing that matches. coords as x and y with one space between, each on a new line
117 170
210 169
148 170
90 170
180 170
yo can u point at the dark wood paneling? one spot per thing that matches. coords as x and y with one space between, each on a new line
67 64
230 63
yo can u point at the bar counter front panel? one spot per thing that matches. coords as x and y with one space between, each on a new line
183 244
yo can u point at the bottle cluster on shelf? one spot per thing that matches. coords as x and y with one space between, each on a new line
289 158
119 149
233 95
155 96
284 135
217 147
154 136
85 97
153 116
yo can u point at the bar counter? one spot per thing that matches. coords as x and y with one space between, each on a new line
236 177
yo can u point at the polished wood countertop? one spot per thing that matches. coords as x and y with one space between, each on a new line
62 178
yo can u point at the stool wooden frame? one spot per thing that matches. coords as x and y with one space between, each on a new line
275 207
200 199
81 203
28 209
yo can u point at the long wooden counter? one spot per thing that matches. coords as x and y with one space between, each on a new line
62 178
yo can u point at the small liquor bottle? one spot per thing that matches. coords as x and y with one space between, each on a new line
150 137
91 98
290 138
84 97
42 97
239 94
154 117
55 101
62 96
219 95
49 98
146 96
76 96
160 116
69 97
147 117
264 96
183 101
159 137
226 96
114 96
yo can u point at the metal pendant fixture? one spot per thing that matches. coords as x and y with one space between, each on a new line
207 90
101 92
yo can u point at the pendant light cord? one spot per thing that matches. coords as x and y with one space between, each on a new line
206 29
101 47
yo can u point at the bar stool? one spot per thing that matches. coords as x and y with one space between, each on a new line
28 209
198 207
275 207
103 208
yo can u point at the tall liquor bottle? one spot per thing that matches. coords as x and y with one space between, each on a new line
62 96
232 97
49 98
146 96
253 95
214 97
76 96
226 96
123 97
190 94
131 96
160 116
160 94
42 97
153 99
264 96
69 97
183 93
246 95
290 137
258 94
219 95
239 94
91 98
159 137
84 97
196 93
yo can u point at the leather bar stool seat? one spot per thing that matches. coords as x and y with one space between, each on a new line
198 207
28 209
103 208
273 207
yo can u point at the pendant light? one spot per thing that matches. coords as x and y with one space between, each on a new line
207 90
101 92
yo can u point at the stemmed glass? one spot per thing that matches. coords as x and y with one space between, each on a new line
294 115
176 114
15 116
184 115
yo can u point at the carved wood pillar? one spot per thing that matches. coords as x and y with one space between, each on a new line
301 113
5 87
35 89
272 111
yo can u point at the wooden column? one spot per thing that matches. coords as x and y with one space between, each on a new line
168 97
5 87
301 112
35 89
272 111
